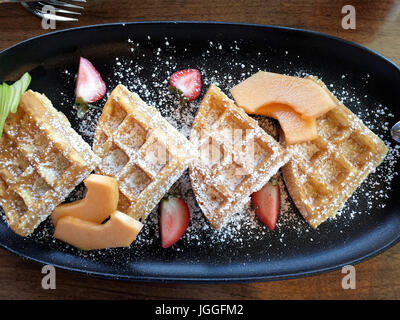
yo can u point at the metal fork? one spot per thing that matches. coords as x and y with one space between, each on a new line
36 7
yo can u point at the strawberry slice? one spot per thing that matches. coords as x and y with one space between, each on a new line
90 87
174 220
266 203
188 83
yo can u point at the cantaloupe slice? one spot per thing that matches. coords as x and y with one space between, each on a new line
100 201
119 231
295 128
265 89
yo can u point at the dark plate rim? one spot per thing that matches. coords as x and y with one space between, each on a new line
211 280
165 279
211 22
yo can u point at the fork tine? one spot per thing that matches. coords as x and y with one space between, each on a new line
58 18
32 8
58 10
63 4
67 11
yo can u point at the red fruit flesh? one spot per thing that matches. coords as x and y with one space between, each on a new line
188 81
266 203
174 220
90 87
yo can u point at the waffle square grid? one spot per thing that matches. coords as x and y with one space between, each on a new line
42 159
141 150
323 173
236 157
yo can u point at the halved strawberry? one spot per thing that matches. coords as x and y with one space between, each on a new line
174 220
90 87
266 203
188 82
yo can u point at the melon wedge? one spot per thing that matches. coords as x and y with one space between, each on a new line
265 89
119 231
295 128
100 201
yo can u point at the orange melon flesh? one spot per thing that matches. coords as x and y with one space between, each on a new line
295 128
119 231
100 201
264 89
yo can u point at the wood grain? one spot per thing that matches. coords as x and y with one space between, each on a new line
378 27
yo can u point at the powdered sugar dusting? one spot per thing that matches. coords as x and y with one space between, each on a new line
146 68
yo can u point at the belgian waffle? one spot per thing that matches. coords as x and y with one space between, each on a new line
236 157
141 149
42 159
322 174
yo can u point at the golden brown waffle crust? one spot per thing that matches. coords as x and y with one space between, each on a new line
127 133
344 142
42 159
220 191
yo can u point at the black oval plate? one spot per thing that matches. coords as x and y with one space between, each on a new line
142 56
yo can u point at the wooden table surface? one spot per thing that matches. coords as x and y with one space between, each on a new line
377 27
